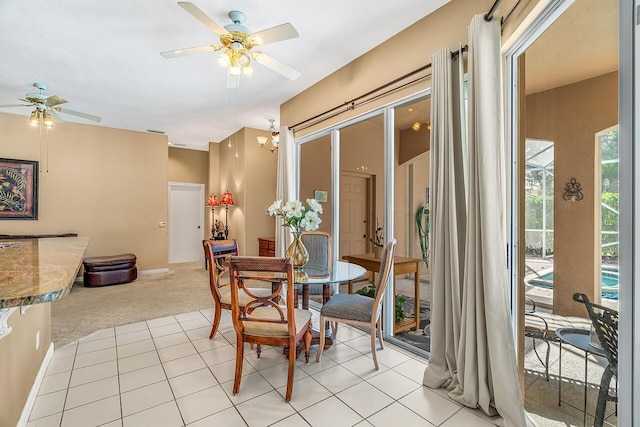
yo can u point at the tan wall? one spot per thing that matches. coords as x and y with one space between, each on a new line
20 359
251 178
445 27
107 184
413 143
260 190
315 174
571 116
188 166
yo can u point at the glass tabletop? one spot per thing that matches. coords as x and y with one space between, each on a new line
339 272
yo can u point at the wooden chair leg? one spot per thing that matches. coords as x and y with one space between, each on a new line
373 345
334 329
307 344
216 320
322 336
380 333
292 361
239 363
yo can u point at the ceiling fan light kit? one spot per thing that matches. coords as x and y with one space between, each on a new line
47 108
237 41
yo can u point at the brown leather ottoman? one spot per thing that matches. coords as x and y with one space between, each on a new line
109 270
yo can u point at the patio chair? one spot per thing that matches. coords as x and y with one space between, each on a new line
358 309
217 254
541 325
605 323
261 320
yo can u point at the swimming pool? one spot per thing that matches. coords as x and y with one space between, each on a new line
610 282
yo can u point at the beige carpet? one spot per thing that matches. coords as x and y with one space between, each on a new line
183 289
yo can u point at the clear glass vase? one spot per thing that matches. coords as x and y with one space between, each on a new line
297 251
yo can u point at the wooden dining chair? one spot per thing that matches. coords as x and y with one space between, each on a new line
358 309
217 254
262 320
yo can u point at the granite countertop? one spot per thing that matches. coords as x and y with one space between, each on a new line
34 271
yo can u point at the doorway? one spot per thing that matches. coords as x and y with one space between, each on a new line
186 222
354 214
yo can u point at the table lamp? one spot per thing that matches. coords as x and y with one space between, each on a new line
227 200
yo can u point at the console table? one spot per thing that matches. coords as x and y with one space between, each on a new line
401 265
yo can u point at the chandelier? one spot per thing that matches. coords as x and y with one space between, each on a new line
274 143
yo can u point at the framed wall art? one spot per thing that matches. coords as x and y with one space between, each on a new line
320 196
18 189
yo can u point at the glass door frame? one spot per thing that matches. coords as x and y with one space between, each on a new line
387 112
543 15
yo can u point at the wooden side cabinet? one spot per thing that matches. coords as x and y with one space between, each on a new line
267 246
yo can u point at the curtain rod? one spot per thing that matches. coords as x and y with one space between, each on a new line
489 15
350 105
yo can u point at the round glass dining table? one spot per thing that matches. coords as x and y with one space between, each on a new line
338 272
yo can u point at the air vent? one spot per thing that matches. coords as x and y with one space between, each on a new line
177 144
159 132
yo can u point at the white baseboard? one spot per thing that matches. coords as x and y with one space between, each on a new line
156 271
31 399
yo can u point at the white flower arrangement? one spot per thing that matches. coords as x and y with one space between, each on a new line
296 215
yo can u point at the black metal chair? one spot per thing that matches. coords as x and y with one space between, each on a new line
605 323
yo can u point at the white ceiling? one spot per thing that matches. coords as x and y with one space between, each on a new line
104 58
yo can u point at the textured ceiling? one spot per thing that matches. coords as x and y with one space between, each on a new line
582 43
104 58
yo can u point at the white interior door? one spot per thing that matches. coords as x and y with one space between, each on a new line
353 215
186 222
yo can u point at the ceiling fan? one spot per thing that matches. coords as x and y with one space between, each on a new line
237 43
47 107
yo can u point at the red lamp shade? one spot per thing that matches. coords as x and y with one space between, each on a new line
213 200
226 199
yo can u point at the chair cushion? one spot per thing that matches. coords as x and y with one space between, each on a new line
274 329
225 294
349 307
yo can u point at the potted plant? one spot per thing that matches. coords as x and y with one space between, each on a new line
377 240
370 291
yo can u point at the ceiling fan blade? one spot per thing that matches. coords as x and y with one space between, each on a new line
190 51
275 34
276 65
54 100
194 11
15 105
55 115
79 114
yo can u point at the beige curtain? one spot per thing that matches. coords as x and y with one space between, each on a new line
448 218
480 360
285 186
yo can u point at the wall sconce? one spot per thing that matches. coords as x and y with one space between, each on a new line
572 191
227 200
415 126
275 139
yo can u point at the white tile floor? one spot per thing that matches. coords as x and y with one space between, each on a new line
166 372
